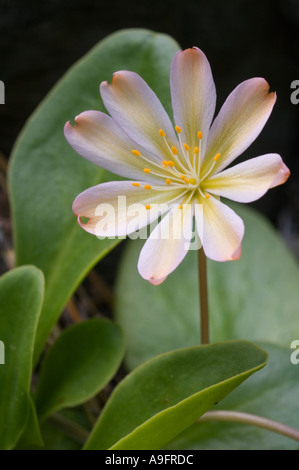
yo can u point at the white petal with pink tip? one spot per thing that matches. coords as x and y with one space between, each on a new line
250 180
100 140
239 122
193 94
117 209
167 245
138 111
222 230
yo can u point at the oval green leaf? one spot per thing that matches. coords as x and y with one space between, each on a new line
164 396
21 295
255 298
46 174
79 364
272 394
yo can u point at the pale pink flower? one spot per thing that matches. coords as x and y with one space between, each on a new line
176 166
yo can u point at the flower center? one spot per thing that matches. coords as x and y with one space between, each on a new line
181 171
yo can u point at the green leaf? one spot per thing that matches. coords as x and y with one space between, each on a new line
79 364
272 394
46 174
254 298
164 396
21 294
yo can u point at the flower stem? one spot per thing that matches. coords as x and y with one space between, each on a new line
247 418
203 297
72 429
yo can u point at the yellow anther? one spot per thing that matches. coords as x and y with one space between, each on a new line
170 163
186 180
186 147
196 150
148 206
207 196
178 129
136 185
174 150
147 186
183 177
192 181
147 170
168 181
136 153
180 206
216 157
164 163
162 133
199 135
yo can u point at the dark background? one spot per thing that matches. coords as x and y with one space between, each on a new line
40 40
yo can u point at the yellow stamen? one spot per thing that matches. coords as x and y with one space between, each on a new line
183 177
199 135
168 181
147 170
186 180
196 150
162 133
192 181
136 185
186 147
164 163
207 196
216 157
147 186
174 150
136 153
170 163
180 206
148 206
178 129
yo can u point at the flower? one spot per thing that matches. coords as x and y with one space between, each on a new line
176 167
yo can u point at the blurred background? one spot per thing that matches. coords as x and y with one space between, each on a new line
40 40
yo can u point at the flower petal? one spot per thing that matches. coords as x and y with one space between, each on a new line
239 122
118 208
281 176
193 94
222 230
250 180
138 111
100 140
167 245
